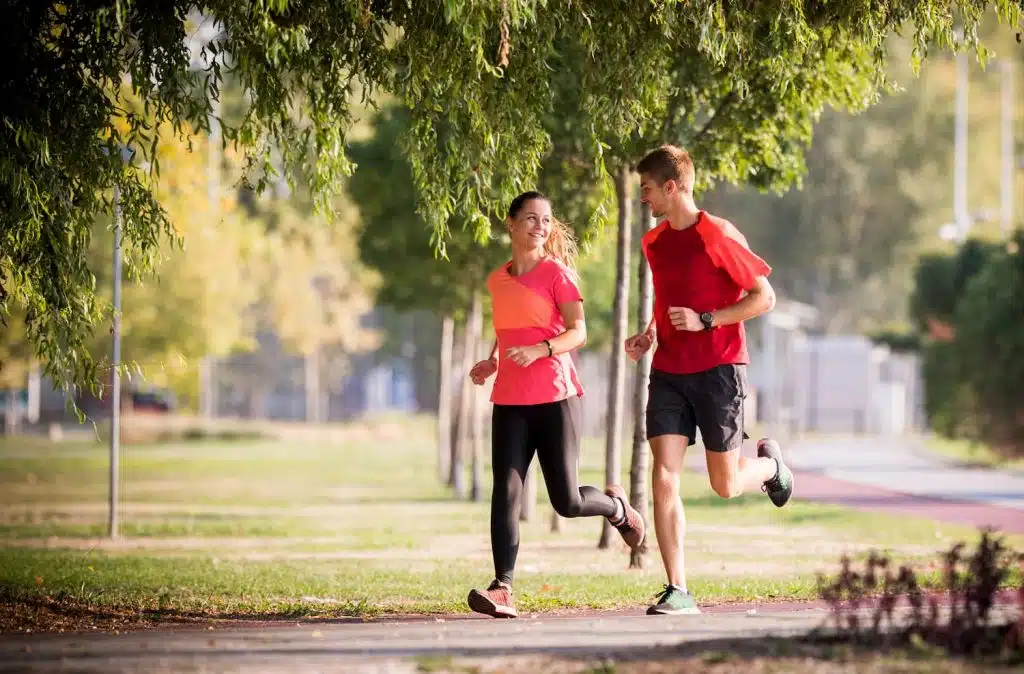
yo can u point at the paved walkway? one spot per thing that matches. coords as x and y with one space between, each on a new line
409 646
898 474
380 647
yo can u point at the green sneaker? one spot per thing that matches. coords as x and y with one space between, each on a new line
674 601
780 487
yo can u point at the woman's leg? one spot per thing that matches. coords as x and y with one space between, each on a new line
555 432
511 454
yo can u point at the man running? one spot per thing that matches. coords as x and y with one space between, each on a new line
706 283
538 320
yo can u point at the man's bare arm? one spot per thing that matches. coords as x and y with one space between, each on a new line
759 300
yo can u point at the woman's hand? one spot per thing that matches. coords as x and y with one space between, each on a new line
524 356
482 370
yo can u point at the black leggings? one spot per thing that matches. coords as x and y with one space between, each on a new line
552 430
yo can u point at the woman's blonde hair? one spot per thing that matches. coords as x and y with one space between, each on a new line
561 243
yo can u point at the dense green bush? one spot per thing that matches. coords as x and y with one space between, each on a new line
973 383
989 349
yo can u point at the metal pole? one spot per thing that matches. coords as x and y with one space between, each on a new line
1006 179
960 214
115 400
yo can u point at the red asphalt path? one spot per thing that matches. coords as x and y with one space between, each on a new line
819 488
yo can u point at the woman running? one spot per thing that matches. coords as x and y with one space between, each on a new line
538 321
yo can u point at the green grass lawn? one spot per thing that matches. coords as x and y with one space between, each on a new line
965 451
360 525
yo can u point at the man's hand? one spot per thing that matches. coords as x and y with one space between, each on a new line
684 318
524 356
482 370
638 345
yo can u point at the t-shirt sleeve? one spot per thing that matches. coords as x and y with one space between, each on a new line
728 249
564 287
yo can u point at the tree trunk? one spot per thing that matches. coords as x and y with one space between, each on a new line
312 377
556 523
35 385
207 403
458 349
11 413
476 489
620 320
444 399
641 457
474 323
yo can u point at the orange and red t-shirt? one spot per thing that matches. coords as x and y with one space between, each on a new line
705 267
526 312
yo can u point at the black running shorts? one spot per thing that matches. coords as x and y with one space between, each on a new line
712 400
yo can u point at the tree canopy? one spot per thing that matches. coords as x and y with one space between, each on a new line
481 78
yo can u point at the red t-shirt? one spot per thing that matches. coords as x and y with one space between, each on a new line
526 312
705 267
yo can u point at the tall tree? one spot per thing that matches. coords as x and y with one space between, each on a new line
198 302
882 183
620 323
641 455
395 241
312 291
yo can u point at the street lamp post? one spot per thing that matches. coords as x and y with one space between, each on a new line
113 523
115 398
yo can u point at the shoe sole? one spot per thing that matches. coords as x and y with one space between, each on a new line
673 611
481 603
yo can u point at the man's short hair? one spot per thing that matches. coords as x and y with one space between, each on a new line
666 163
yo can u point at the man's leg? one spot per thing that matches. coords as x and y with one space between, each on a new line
669 518
732 474
555 433
670 429
718 396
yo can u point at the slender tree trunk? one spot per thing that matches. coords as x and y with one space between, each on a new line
620 321
456 396
556 523
11 413
476 489
463 440
444 399
312 376
641 457
34 393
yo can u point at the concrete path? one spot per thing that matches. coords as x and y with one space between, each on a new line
388 647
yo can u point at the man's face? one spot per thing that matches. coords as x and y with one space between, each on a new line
654 195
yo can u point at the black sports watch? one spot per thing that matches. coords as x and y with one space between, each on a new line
708 320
